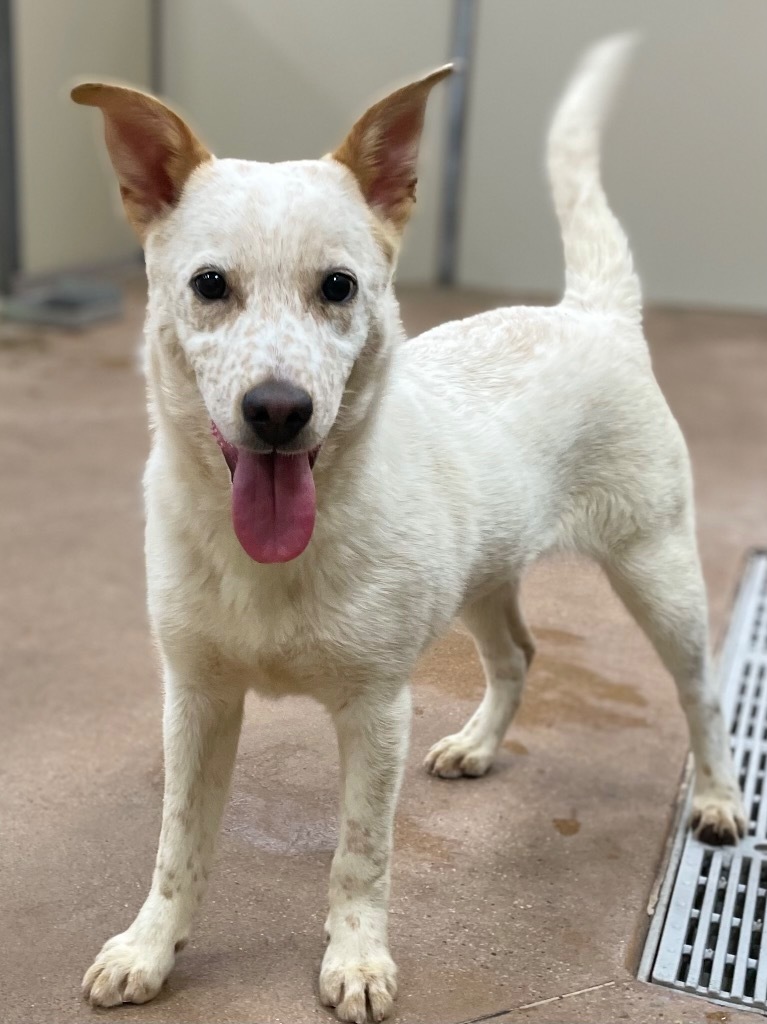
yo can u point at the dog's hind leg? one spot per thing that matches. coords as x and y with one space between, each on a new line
357 971
660 582
506 649
203 713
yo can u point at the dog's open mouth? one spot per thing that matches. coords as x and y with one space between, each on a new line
273 500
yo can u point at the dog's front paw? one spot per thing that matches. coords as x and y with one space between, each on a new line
126 971
459 755
718 818
352 986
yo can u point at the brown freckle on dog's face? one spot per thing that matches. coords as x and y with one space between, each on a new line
339 316
166 892
209 316
171 875
353 921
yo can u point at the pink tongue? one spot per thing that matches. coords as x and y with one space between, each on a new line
273 504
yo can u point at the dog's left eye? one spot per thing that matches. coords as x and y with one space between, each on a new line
210 285
339 287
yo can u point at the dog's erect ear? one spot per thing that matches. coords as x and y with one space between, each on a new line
381 150
152 150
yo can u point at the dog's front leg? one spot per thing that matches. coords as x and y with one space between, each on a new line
201 726
357 971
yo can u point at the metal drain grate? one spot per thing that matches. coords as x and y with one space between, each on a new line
709 933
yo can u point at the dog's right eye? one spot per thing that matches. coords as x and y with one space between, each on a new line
339 287
210 285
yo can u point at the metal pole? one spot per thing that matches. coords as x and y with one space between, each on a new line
156 38
464 31
9 232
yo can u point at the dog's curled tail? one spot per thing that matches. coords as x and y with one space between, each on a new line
599 272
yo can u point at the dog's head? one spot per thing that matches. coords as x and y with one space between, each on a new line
273 281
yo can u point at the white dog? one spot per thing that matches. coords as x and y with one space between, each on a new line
323 497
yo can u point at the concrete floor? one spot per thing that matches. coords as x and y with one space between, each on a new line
517 889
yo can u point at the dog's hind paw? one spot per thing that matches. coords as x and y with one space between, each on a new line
126 971
457 756
354 988
718 820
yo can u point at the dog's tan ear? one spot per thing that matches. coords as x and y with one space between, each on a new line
381 150
152 150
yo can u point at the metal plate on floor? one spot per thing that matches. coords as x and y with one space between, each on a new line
709 934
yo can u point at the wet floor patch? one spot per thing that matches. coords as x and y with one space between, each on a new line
561 691
452 667
415 837
544 635
515 747
295 825
567 826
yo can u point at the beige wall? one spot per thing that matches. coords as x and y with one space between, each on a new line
686 155
68 211
284 79
686 158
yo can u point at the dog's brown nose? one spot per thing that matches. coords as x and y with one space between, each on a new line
277 411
